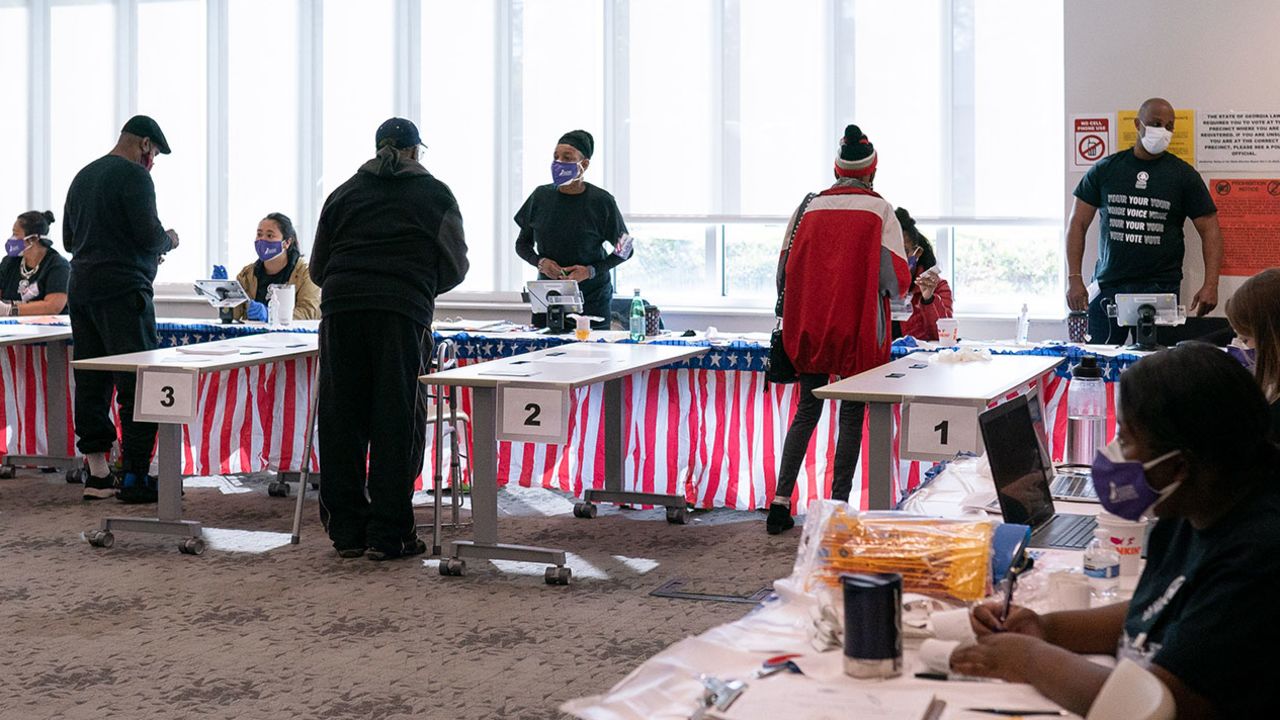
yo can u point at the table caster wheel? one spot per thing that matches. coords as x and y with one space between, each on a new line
101 538
584 509
278 489
453 567
558 575
7 471
192 546
75 476
677 516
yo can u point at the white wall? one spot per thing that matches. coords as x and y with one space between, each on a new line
1203 56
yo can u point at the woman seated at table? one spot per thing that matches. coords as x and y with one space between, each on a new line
1254 313
279 263
33 276
930 294
1192 449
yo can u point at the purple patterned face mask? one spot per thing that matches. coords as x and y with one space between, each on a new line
1122 484
268 249
14 246
564 172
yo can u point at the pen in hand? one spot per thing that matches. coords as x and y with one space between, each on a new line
1014 712
1027 563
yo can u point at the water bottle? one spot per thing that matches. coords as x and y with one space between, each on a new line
1102 567
637 317
1086 412
1024 325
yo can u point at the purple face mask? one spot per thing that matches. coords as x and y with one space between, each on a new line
1122 484
563 172
14 246
268 249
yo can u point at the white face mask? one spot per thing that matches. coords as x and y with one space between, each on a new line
1156 139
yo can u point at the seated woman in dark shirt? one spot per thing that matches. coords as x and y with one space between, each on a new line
279 263
33 276
1193 449
1254 313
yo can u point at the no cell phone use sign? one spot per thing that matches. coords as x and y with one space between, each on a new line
1091 139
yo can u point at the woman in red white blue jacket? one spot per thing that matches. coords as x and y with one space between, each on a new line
844 264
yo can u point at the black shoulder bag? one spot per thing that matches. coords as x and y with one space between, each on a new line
779 368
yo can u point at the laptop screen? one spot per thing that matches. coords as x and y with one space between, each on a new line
1017 463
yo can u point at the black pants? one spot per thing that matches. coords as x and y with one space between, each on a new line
595 302
121 325
372 426
848 440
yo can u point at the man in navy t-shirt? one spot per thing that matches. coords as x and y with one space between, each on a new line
1145 194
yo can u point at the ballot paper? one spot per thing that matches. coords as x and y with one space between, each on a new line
510 371
15 330
787 696
204 349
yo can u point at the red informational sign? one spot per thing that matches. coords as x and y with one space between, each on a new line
1249 214
1092 139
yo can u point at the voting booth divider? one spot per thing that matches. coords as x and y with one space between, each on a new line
709 429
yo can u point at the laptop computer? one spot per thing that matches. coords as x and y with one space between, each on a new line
1022 476
1072 483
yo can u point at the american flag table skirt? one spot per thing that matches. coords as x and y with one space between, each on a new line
711 429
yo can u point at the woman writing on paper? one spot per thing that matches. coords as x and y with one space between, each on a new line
1192 451
279 263
33 276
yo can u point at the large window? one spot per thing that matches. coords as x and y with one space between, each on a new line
712 119
13 123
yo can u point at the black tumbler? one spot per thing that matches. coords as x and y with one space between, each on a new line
872 624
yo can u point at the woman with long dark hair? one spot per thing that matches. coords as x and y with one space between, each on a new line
279 263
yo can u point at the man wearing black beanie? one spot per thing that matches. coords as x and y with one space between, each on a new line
836 327
564 226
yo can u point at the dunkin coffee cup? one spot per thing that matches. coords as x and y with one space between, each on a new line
948 331
1127 538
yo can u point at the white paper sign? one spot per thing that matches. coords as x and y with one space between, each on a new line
533 413
937 432
1091 138
1239 141
166 395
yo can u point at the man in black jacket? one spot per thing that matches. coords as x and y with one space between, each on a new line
389 240
116 242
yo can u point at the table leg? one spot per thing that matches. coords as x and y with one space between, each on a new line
484 501
55 419
880 491
615 436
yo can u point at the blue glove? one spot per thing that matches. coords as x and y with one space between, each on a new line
256 311
219 272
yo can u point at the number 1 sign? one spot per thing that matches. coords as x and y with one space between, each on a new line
166 395
533 413
937 432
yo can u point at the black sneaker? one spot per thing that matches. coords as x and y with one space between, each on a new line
408 548
779 519
349 553
138 489
99 488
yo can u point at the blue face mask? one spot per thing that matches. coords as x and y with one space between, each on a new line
268 249
564 172
1122 484
14 246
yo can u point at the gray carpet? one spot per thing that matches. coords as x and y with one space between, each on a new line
142 631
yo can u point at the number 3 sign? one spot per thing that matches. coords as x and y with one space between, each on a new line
937 432
533 413
166 395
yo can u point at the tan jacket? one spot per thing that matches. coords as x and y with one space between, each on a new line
307 304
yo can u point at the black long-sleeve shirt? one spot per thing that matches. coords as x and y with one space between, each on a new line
389 239
572 230
111 229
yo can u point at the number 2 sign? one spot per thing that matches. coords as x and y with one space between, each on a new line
533 413
166 395
937 432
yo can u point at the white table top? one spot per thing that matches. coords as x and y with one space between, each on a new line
574 365
249 350
25 333
976 383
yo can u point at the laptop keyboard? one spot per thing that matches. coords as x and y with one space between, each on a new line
1069 486
1066 531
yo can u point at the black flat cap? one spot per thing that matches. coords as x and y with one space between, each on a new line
144 126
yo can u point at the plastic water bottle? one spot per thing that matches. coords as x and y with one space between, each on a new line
637 317
1102 567
1024 325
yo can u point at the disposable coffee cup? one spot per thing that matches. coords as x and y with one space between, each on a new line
1069 591
952 624
948 331
872 624
1126 537
282 301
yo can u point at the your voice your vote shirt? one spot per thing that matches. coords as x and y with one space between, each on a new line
1142 207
